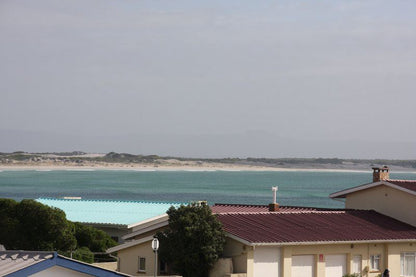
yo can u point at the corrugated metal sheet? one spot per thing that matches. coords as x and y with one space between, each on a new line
407 184
11 261
243 208
315 226
107 211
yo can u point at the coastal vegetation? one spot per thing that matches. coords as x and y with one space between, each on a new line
79 158
193 241
30 225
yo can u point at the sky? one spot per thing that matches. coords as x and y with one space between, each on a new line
209 78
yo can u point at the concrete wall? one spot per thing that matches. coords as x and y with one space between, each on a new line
390 256
238 252
149 233
223 267
128 259
267 261
107 265
393 256
278 262
59 271
386 200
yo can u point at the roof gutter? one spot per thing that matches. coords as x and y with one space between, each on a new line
343 193
145 230
239 239
150 221
128 244
326 242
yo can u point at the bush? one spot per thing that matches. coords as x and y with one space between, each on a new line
83 254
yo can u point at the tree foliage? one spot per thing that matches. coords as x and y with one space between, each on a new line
81 253
92 238
30 225
193 241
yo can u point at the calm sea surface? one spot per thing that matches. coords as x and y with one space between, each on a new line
298 188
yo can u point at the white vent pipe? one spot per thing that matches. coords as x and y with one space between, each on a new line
274 189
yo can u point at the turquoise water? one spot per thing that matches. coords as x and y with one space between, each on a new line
297 188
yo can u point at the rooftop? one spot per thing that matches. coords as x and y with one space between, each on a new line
243 208
11 261
315 227
108 212
29 263
408 186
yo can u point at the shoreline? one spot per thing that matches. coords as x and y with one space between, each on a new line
167 168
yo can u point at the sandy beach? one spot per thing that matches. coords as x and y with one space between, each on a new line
166 167
89 162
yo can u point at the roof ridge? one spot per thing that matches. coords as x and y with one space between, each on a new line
111 200
236 204
293 212
400 180
262 205
27 252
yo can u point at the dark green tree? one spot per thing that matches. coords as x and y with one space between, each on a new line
83 254
29 225
8 223
43 228
193 241
96 240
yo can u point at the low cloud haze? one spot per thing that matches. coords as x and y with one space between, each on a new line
216 79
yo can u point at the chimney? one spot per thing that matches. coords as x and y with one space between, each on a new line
274 207
380 174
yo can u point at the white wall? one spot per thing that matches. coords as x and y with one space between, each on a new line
335 265
386 200
303 266
59 271
266 261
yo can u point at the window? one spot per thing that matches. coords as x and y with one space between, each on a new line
142 264
408 264
375 262
356 264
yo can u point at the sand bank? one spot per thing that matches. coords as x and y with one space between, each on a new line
172 167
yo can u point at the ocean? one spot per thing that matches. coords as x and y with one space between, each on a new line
296 188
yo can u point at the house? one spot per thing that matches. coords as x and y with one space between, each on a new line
47 264
280 241
316 243
295 242
116 218
395 198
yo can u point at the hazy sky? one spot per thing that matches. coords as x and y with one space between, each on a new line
209 78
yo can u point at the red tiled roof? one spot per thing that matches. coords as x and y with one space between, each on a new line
407 184
315 226
243 208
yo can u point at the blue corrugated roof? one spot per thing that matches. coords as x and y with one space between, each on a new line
108 211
